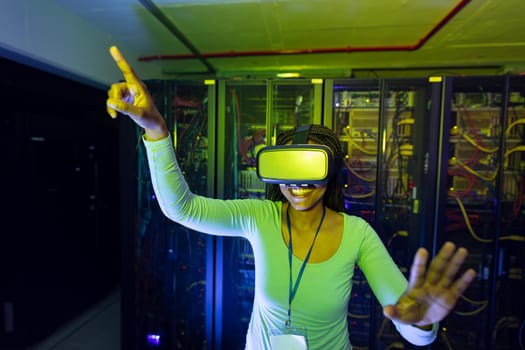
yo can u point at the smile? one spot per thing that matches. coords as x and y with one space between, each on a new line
301 191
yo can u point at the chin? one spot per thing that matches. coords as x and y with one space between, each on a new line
302 206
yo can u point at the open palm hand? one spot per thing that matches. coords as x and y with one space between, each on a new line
432 294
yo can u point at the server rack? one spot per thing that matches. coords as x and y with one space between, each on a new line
385 126
173 266
355 110
482 207
250 115
242 112
428 161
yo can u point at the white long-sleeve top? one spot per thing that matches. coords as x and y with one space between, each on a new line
321 302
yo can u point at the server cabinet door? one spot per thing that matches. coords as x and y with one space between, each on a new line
247 110
356 106
406 180
174 265
475 119
509 305
385 127
242 110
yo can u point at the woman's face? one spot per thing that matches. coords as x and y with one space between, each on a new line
303 197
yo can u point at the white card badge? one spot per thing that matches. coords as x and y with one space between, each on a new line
288 339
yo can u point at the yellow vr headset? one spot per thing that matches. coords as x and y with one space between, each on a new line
296 164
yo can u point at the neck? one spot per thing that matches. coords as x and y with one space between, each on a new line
306 219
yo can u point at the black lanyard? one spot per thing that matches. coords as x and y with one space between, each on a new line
290 253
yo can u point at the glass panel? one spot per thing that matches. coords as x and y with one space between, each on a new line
470 215
510 310
402 184
356 106
245 118
248 106
292 105
246 133
383 127
356 121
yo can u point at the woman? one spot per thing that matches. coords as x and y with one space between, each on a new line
305 247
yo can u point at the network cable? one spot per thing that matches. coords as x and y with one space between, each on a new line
473 233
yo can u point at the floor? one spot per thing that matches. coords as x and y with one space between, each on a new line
98 328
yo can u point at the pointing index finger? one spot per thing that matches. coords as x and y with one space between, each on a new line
123 65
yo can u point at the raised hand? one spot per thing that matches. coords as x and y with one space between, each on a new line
133 99
432 295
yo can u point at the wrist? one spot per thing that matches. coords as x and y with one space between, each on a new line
156 134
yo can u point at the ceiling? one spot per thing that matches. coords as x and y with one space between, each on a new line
246 38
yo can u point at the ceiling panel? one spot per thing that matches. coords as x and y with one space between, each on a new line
250 36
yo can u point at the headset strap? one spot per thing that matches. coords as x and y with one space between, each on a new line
301 134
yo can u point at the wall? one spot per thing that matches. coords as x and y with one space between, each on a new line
59 241
45 35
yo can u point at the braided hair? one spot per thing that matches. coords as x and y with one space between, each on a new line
322 135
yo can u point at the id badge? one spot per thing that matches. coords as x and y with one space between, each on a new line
288 338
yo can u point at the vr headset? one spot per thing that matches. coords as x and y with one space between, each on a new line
298 164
